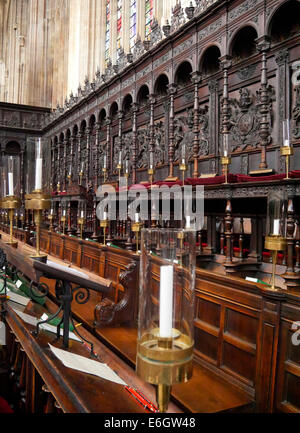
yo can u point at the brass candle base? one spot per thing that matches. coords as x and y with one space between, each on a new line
136 228
274 243
287 151
226 161
81 222
104 225
10 203
37 201
151 175
183 169
164 362
63 220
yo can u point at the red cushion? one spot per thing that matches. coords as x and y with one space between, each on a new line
210 180
4 406
246 178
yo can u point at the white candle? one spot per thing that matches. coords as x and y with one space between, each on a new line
151 160
120 157
127 166
38 173
188 222
225 153
105 215
4 187
137 217
286 132
10 184
166 301
64 213
104 162
51 212
82 214
276 227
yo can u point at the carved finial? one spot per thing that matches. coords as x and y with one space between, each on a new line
166 29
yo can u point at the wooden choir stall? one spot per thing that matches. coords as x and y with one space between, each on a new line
209 109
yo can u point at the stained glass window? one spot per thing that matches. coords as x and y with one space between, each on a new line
119 25
149 17
107 30
132 23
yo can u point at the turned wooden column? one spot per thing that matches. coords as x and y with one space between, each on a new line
79 144
228 231
151 130
292 278
120 129
59 165
88 132
107 149
53 162
64 165
172 92
196 78
95 234
97 155
72 145
135 109
263 45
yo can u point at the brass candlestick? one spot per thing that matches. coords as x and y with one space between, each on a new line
50 218
80 177
274 243
151 172
119 168
183 169
63 220
69 177
226 161
164 361
104 170
287 151
126 175
81 222
136 228
10 203
104 225
37 201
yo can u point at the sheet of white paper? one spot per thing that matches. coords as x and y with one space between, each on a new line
2 334
33 321
86 365
17 298
67 269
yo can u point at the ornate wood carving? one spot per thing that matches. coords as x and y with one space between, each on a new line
107 312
